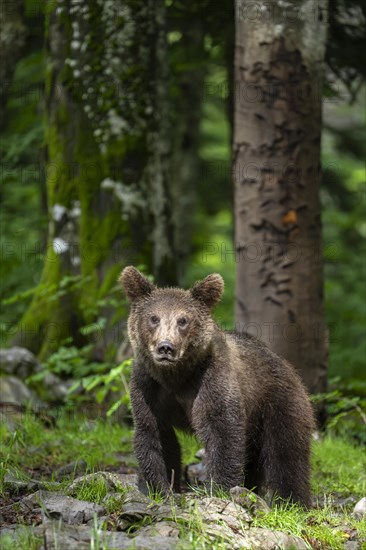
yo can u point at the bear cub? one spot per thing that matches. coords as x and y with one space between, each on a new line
245 404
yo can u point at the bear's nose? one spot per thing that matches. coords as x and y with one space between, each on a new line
165 348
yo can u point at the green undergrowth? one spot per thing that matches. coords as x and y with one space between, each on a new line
339 468
338 481
189 445
93 491
338 478
26 539
35 450
97 489
324 527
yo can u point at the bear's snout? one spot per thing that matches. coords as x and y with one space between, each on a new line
165 350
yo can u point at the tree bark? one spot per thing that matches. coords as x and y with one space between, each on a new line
13 35
277 125
107 151
159 149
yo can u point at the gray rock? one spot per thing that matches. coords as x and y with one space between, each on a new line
162 528
9 420
195 473
81 537
265 539
136 506
62 516
200 454
73 537
15 484
59 506
225 519
56 389
360 509
249 500
215 510
142 542
16 536
220 518
18 362
14 392
336 500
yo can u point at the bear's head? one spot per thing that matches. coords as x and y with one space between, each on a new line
170 327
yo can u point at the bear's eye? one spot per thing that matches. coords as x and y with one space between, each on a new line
182 322
154 320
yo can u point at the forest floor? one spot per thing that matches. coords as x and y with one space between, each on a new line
40 461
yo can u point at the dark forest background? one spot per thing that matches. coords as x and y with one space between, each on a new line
184 138
116 132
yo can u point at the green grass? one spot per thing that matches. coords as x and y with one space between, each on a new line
292 519
338 472
193 533
189 446
329 528
25 538
114 503
92 491
37 450
338 467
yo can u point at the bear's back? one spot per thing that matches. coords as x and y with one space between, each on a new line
263 376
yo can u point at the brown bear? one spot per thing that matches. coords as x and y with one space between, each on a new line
245 404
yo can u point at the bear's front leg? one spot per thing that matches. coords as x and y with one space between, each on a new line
217 423
156 447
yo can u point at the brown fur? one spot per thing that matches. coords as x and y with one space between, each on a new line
246 404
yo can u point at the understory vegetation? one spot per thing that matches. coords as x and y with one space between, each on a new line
36 451
64 304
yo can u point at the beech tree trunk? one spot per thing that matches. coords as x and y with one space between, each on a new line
106 171
277 125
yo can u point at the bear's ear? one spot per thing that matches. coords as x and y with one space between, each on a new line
209 290
135 284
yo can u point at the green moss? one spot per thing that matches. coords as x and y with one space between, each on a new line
77 166
48 79
48 7
339 467
36 326
61 187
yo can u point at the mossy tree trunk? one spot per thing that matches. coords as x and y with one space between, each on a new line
278 85
107 167
13 35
